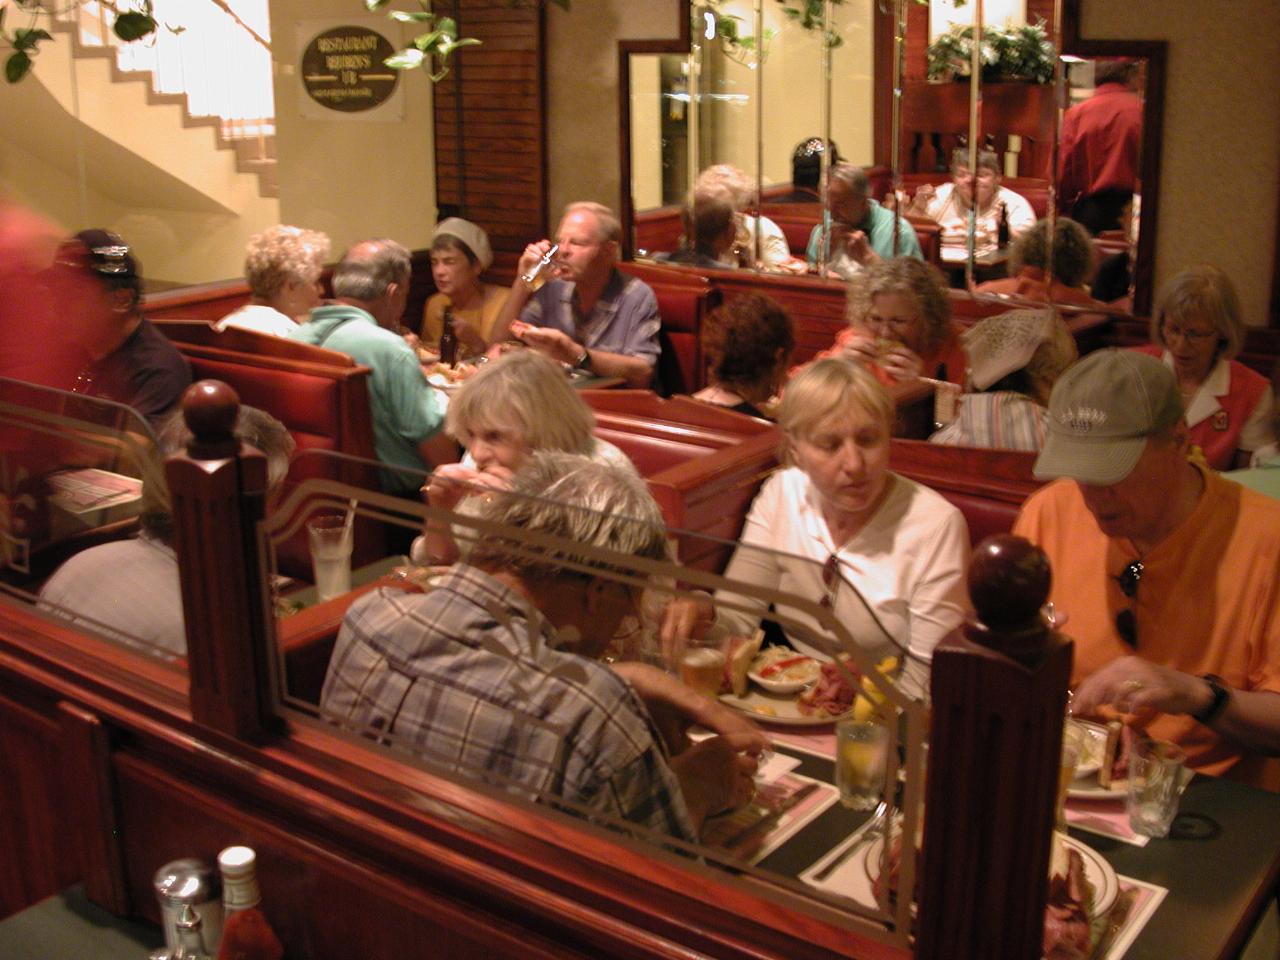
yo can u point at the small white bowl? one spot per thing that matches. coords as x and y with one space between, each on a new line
784 685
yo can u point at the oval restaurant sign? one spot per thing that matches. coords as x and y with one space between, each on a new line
342 69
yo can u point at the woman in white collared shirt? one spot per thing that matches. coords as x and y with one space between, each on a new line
1197 330
837 527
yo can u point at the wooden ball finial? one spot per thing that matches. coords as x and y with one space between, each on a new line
210 408
1009 579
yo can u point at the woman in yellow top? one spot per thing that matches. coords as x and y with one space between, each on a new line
460 252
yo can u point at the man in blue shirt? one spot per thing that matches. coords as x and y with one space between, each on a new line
591 316
861 231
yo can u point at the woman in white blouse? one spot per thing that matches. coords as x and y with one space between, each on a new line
838 527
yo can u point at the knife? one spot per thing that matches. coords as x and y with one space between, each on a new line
1115 920
767 822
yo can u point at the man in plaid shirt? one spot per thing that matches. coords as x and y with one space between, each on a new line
493 674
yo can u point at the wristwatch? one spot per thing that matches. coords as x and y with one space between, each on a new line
1221 697
584 361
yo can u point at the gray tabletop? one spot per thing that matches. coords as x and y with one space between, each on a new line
67 925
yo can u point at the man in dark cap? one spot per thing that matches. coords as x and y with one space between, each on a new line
1167 571
806 169
129 360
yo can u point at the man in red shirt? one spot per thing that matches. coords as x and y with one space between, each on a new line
1101 139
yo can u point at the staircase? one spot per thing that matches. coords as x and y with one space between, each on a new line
212 59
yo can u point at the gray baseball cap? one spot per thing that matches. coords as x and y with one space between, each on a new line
1101 412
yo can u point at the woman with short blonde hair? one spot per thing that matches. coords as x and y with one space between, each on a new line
515 405
1198 330
837 527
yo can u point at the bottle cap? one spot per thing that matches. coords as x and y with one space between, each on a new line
239 878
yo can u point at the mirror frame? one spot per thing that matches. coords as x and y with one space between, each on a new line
1155 52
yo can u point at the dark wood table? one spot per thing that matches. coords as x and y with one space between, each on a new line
1221 863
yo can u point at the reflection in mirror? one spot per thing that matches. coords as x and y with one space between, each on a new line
86 527
546 667
755 86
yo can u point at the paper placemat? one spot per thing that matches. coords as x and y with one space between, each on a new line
821 743
851 879
1107 818
756 830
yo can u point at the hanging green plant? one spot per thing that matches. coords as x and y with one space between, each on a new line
130 25
429 50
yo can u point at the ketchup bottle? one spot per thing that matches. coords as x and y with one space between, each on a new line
246 935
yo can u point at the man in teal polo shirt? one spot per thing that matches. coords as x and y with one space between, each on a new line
371 286
862 231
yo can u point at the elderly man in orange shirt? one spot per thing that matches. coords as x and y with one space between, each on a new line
1167 572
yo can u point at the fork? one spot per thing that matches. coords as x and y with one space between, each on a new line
868 834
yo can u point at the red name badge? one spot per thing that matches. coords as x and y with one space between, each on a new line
1220 421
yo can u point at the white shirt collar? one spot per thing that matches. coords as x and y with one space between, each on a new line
1205 402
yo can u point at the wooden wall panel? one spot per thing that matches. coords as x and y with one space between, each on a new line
39 860
489 128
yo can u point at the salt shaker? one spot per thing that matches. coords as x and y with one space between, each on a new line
190 882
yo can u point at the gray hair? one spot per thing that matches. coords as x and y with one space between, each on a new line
255 427
368 268
283 253
852 176
577 500
987 159
608 227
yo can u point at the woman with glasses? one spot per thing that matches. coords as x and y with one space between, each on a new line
836 527
900 324
1197 330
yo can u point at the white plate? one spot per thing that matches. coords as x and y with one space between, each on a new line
772 708
1100 874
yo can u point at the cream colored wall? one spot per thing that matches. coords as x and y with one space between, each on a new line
582 93
646 132
1220 159
353 180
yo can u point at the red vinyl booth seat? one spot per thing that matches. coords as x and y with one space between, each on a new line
320 395
988 486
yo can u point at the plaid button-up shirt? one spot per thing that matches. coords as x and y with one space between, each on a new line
469 678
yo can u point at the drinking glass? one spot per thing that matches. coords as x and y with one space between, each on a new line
862 753
1072 746
330 536
702 663
1155 785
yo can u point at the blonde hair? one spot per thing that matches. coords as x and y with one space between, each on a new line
525 394
827 388
608 227
283 253
912 278
1205 292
